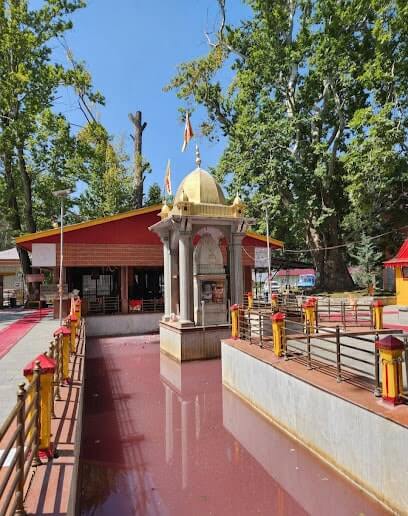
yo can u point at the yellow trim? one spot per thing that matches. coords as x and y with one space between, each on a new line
263 238
87 224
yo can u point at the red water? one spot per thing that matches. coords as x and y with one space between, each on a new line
160 438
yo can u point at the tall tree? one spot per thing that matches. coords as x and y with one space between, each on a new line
109 185
28 87
141 167
302 72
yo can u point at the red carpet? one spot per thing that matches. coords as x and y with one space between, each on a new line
10 335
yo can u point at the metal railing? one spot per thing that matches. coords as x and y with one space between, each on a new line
102 304
20 432
350 357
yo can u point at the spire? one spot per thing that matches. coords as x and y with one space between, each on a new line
198 157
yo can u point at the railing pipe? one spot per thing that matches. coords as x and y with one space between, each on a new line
309 357
377 388
338 354
21 395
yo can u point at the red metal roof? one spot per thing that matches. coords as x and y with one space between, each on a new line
124 228
400 259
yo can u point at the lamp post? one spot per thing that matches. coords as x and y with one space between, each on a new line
265 205
61 194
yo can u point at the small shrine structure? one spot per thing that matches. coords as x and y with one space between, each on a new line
400 265
203 273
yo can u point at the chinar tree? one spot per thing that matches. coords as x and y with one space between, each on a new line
36 144
296 89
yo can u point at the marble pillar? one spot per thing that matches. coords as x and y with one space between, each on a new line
167 276
185 275
236 269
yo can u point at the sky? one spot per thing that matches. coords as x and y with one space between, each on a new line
132 49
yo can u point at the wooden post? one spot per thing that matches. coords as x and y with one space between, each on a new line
124 297
21 396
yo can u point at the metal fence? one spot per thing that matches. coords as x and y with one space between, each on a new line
350 357
20 432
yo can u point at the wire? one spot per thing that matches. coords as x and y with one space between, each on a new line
348 244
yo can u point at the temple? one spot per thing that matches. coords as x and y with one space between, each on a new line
202 238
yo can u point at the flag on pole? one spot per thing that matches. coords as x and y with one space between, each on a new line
188 132
167 179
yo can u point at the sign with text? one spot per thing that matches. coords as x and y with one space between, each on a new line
44 255
34 278
261 257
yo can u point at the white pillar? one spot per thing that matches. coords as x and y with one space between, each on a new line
167 276
237 271
185 275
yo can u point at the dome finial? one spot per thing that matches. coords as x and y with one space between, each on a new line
198 157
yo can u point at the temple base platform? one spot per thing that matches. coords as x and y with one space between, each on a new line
183 343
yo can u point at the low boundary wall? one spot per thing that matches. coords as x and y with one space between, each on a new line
366 447
122 324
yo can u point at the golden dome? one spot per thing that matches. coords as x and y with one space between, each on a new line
199 187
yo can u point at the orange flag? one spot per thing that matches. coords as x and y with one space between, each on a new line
167 179
188 133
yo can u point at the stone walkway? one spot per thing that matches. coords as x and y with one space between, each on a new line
36 341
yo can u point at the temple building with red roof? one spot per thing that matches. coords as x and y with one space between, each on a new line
400 265
116 263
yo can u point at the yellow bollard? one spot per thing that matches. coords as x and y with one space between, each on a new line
78 308
278 332
234 321
250 300
378 309
275 300
391 350
309 313
73 326
64 333
47 369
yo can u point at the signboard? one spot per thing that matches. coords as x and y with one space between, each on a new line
44 255
34 278
261 257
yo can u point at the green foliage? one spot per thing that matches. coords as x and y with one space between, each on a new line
154 195
315 115
105 172
368 260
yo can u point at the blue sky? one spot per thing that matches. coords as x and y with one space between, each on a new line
132 49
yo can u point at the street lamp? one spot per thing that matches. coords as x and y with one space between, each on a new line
265 205
61 194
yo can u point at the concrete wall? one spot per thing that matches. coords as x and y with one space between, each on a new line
366 447
192 343
122 324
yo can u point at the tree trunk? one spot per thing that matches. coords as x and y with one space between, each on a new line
330 264
29 221
139 168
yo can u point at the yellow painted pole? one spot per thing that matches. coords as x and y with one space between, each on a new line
309 314
378 310
391 350
278 332
73 326
65 334
234 321
47 368
275 300
250 301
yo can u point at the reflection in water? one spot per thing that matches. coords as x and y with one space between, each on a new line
160 438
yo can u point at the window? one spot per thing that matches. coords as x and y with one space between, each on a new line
404 272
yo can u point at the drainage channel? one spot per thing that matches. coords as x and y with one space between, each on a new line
161 438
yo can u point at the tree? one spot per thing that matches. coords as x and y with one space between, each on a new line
303 72
141 167
367 259
154 195
109 186
28 87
